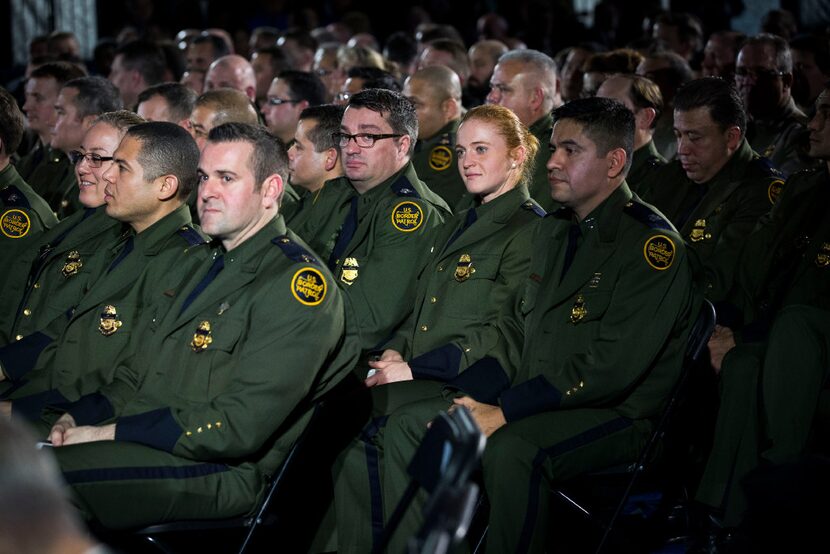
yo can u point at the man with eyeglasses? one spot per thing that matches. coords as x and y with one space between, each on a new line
764 77
290 93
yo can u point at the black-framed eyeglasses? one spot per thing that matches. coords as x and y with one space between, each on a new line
363 140
758 73
94 160
281 101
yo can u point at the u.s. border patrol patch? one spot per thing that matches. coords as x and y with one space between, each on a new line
440 158
774 190
659 251
407 216
15 223
308 286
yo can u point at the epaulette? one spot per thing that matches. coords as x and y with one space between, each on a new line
13 198
402 187
648 217
532 206
191 235
765 168
294 251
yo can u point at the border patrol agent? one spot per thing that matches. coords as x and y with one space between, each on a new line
623 279
196 422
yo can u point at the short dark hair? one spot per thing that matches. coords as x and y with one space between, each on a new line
61 72
441 31
180 98
818 46
145 57
96 95
220 47
720 97
11 123
374 77
396 108
302 37
269 154
304 86
121 120
460 61
783 56
400 48
688 27
608 123
167 149
644 93
278 60
327 118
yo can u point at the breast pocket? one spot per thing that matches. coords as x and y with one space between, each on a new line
470 282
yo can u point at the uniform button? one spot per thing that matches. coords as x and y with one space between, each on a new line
37 285
466 350
431 250
440 268
424 328
18 337
27 312
433 300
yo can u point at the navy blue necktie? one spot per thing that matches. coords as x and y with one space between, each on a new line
125 250
214 270
570 252
346 234
471 218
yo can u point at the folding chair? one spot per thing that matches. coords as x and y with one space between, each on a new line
448 453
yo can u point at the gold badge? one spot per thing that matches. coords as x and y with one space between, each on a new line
201 338
594 282
308 286
109 321
15 224
349 272
407 216
823 256
659 252
774 190
464 268
698 231
440 158
73 264
579 311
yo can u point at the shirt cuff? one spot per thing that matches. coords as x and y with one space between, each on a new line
156 429
439 364
529 398
19 357
483 381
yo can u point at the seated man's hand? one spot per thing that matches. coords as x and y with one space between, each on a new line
59 429
388 371
720 343
88 433
489 418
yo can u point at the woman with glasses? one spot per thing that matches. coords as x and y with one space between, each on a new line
49 277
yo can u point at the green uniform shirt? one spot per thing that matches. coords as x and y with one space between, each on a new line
436 165
379 262
290 202
538 184
52 175
715 217
227 376
320 214
645 160
141 284
472 270
782 139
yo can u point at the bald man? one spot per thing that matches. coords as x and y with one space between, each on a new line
233 72
484 55
436 93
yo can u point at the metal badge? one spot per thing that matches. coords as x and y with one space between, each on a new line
594 282
73 264
579 311
464 269
201 338
349 272
109 322
699 231
823 256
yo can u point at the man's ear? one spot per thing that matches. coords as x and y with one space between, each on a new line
645 117
271 190
168 187
88 120
733 137
616 162
331 159
403 146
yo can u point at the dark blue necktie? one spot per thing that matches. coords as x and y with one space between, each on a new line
125 250
570 252
214 270
346 234
469 220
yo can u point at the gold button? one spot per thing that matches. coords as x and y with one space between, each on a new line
431 250
218 424
18 337
440 268
424 328
27 312
209 426
433 300
37 285
188 433
199 430
466 350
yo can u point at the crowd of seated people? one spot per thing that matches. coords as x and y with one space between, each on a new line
201 239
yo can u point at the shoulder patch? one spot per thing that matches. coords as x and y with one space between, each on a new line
14 198
774 190
15 223
440 158
659 251
402 187
191 235
532 206
407 216
309 286
294 251
647 216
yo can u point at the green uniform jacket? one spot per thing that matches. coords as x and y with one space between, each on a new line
716 217
611 334
465 283
644 162
52 175
436 164
320 214
783 139
86 350
786 260
290 202
49 277
380 261
538 184
228 377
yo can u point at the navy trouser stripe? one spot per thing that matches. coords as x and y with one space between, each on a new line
373 465
133 473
